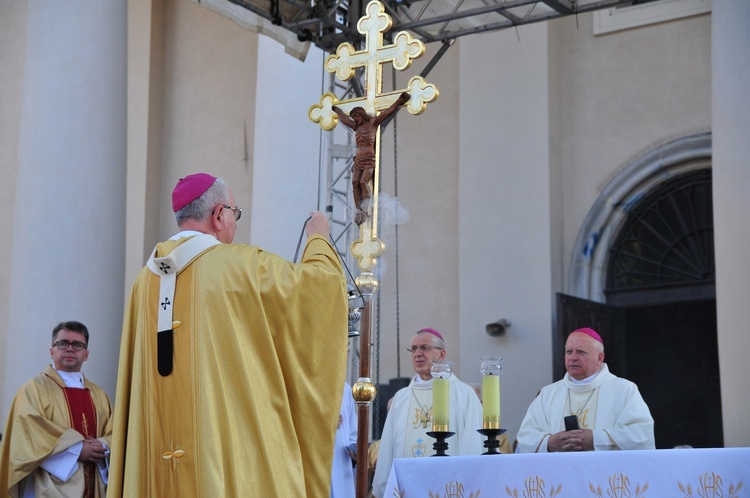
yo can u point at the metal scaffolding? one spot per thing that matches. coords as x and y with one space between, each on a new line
328 23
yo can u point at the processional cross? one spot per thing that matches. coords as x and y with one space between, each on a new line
374 54
368 247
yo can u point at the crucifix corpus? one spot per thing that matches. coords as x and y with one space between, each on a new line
366 129
364 116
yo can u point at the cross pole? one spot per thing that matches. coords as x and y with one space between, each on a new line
369 247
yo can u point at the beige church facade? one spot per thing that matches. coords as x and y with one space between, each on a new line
517 180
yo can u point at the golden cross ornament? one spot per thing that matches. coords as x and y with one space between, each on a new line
371 58
346 59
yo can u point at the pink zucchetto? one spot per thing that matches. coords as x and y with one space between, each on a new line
189 189
431 331
589 332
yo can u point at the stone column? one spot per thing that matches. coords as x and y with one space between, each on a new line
285 164
730 39
68 248
508 208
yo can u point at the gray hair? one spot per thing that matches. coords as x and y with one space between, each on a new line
436 341
201 208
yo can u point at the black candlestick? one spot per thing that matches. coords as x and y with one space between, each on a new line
492 443
440 445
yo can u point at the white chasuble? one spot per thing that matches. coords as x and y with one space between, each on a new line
609 405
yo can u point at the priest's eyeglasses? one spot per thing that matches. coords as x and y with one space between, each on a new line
423 348
64 345
237 211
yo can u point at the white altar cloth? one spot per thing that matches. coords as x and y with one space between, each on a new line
682 473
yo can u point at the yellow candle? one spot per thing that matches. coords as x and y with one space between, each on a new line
491 401
440 404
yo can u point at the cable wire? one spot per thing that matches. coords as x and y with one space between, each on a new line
299 242
395 195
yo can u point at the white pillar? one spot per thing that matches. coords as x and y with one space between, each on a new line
286 148
731 181
68 250
506 213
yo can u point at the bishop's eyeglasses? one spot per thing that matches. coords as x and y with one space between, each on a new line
423 348
64 345
237 211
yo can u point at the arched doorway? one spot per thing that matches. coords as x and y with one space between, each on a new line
657 307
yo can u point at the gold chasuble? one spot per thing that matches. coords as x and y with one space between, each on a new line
251 404
45 419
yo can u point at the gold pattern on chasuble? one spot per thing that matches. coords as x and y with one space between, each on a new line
583 411
85 425
173 454
422 417
583 418
534 487
710 485
619 486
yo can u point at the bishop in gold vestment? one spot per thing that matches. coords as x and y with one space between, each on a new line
252 400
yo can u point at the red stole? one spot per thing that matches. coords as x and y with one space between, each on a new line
83 419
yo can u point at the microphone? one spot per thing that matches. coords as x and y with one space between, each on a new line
571 423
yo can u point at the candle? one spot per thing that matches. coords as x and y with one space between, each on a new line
440 404
491 392
441 394
491 401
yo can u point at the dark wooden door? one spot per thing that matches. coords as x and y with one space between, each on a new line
675 363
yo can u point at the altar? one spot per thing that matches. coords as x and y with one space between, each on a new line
683 473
